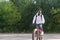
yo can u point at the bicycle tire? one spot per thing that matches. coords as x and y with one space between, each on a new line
39 37
33 36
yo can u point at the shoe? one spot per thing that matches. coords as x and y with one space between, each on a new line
42 33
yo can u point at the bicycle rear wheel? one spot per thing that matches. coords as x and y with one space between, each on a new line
40 38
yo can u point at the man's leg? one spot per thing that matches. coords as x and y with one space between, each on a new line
41 29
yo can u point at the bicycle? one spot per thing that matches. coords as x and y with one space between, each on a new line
36 35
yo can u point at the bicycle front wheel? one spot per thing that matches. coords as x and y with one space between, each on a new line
33 36
38 37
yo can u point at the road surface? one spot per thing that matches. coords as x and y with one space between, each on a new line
28 37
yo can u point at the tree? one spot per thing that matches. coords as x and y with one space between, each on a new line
27 8
9 16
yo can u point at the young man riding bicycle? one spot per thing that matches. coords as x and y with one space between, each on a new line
39 20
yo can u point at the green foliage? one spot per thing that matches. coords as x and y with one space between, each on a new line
17 15
9 16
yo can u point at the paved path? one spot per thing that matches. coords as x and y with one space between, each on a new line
28 37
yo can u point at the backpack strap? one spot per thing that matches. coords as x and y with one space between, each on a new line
35 19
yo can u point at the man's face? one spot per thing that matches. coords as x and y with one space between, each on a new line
40 12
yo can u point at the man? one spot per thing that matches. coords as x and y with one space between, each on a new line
38 19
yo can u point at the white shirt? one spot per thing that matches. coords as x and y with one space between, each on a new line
38 19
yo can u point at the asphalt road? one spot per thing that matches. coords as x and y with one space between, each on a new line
28 37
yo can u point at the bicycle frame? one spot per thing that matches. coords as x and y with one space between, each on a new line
36 34
37 31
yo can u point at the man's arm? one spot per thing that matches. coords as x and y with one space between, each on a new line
43 19
34 18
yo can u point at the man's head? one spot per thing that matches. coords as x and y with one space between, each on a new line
39 12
